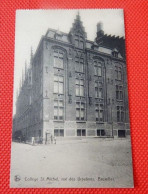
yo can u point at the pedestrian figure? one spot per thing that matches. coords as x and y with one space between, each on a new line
51 139
54 140
33 141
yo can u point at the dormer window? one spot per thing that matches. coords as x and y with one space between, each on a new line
79 41
115 53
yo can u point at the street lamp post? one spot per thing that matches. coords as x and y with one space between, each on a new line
111 103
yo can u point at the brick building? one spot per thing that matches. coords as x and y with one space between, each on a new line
74 87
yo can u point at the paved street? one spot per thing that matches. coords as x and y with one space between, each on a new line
73 163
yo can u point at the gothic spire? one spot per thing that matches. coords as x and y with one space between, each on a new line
77 26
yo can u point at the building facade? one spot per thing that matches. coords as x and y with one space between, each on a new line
74 87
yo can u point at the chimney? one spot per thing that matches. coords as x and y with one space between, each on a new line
100 33
100 29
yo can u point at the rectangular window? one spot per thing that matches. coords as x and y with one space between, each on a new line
79 65
59 132
80 111
58 84
58 59
119 92
79 41
120 114
79 87
99 112
81 132
118 73
98 90
81 44
98 69
100 132
58 110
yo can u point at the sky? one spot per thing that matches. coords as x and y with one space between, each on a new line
32 24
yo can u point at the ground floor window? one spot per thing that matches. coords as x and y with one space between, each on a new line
121 133
59 132
81 132
100 132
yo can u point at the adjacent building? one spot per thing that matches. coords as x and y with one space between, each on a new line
74 87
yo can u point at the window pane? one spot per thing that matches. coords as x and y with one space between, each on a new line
81 45
118 116
97 114
55 87
76 43
61 132
116 74
61 112
96 92
96 85
55 78
78 113
95 70
55 111
117 95
60 63
100 93
61 79
101 115
82 105
81 82
56 132
83 132
78 132
119 75
61 103
61 89
55 61
81 90
77 105
55 103
77 81
99 71
101 106
82 114
61 55
77 90
122 116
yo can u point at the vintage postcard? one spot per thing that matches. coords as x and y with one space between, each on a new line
70 109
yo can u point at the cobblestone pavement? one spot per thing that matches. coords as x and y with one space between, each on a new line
76 163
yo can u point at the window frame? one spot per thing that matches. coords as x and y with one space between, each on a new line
97 66
58 107
59 55
82 132
59 132
98 88
58 82
99 110
81 110
120 114
79 61
118 73
119 92
80 87
79 39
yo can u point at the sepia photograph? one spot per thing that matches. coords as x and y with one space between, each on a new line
71 126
